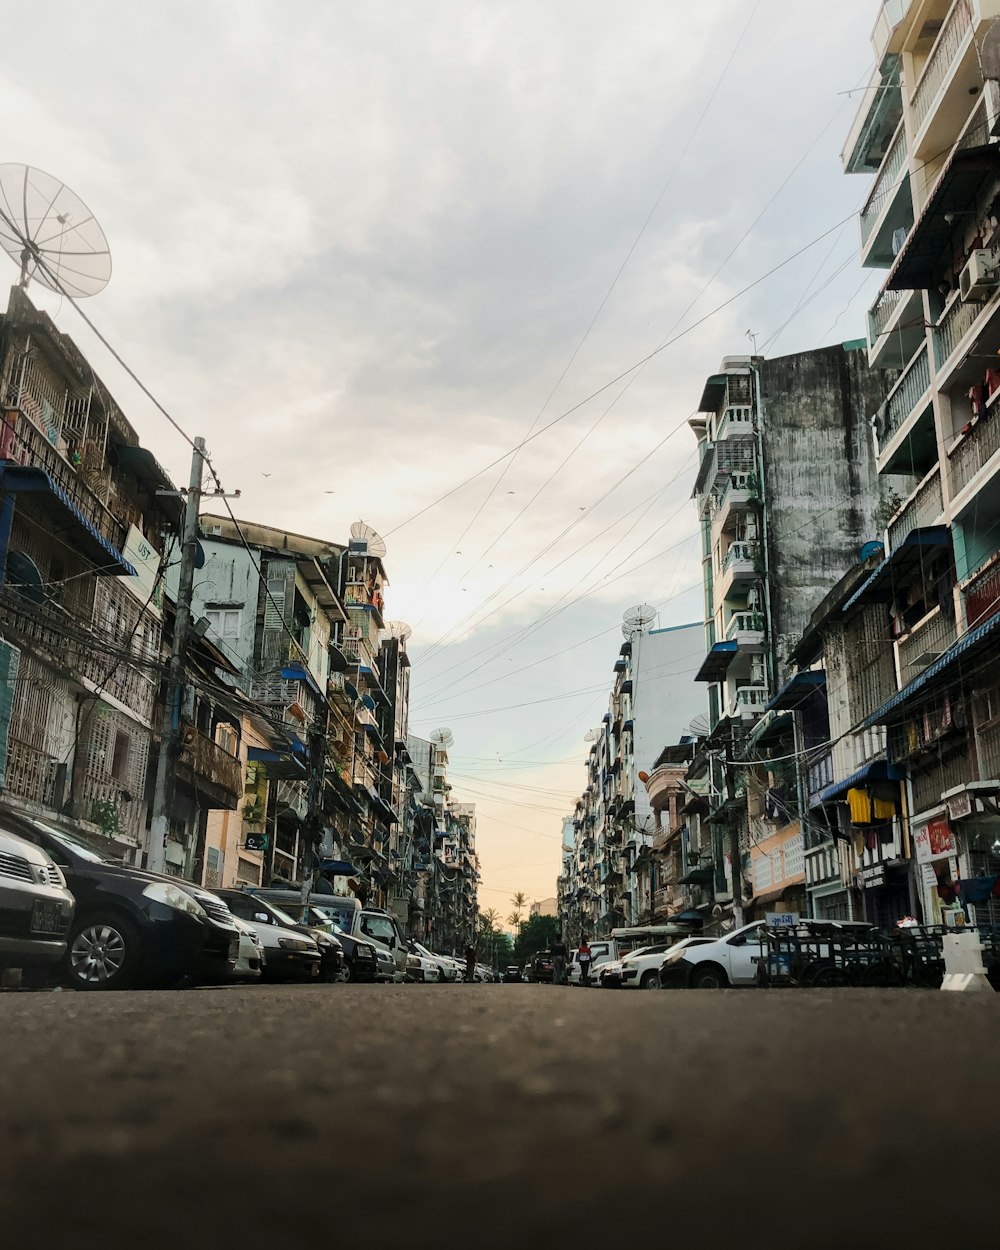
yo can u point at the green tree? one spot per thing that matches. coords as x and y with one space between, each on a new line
537 933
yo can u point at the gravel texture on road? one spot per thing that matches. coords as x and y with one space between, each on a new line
503 1116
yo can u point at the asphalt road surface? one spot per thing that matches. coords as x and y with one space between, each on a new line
498 1116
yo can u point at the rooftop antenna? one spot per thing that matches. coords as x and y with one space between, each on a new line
637 620
753 339
50 233
374 543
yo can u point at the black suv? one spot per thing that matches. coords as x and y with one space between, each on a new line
135 928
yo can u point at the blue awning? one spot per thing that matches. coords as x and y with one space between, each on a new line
68 517
900 565
338 867
718 660
295 670
940 665
282 765
877 770
380 807
797 689
619 665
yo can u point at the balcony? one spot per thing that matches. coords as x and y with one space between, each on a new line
216 775
976 450
940 100
904 426
981 593
924 644
889 206
819 774
739 570
746 629
748 702
736 420
23 444
923 507
895 329
737 494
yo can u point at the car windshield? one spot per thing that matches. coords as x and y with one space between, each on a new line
278 914
76 846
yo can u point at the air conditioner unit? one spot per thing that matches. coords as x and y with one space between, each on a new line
978 280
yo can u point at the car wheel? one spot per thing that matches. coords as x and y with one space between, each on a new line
650 981
348 973
103 953
708 977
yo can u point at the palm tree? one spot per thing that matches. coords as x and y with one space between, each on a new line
519 902
490 920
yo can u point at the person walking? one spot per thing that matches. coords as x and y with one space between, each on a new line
558 961
470 963
584 957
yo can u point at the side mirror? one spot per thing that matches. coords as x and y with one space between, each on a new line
263 917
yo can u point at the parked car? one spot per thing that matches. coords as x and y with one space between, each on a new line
370 924
512 975
733 958
641 969
36 908
541 966
250 961
131 927
609 975
291 951
435 967
359 961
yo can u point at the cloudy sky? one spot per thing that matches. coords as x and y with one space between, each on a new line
370 248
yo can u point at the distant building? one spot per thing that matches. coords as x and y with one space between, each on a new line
544 907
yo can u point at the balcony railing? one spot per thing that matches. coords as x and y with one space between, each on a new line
957 25
975 450
905 396
981 594
740 552
956 320
924 643
745 623
210 763
749 700
885 183
883 311
30 773
922 508
28 446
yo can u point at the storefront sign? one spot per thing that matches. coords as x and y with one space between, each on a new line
781 919
872 877
145 559
934 840
959 806
928 876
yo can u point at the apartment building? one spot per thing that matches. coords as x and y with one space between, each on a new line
927 127
788 495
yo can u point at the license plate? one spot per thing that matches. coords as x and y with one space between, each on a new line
46 917
234 949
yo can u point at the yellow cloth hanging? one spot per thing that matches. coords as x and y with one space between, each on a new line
860 807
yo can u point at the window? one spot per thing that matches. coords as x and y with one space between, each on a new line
225 737
380 928
225 622
213 866
119 759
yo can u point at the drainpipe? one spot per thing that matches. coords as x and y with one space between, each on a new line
766 576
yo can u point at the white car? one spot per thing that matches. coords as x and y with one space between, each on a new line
250 961
733 959
641 969
435 967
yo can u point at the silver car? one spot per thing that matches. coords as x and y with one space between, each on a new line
35 907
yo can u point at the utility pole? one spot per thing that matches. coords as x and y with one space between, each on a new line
314 799
734 833
170 732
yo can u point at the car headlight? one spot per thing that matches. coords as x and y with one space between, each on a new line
172 896
368 951
413 961
292 944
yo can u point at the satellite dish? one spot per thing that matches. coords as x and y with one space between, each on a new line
199 555
873 548
374 543
51 234
590 736
638 619
989 54
442 738
699 727
23 576
400 630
